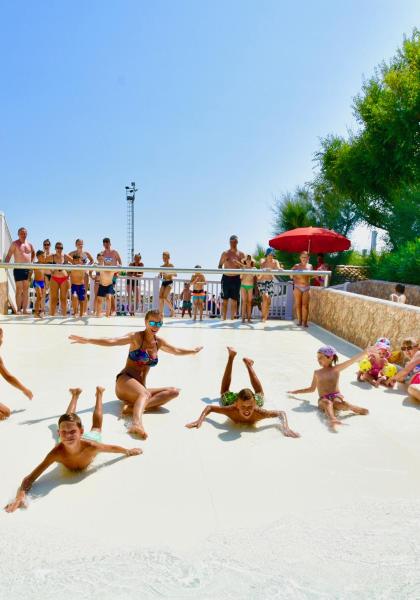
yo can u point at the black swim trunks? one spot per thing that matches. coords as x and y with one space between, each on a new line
231 287
106 290
21 274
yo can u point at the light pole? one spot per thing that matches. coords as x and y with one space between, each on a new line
130 193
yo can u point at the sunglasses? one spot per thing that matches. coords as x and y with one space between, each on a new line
405 348
155 323
47 244
59 247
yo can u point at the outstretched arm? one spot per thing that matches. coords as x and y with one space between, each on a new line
120 341
206 411
20 500
118 449
353 359
307 390
14 381
177 351
284 425
402 373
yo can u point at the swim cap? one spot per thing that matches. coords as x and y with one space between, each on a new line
328 351
384 341
269 251
382 346
233 238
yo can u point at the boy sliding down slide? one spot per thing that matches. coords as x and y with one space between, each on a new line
244 406
75 449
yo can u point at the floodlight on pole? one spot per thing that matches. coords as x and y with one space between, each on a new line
130 194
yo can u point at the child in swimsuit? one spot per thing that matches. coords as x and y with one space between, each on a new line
75 449
246 405
325 381
5 411
39 285
105 289
378 358
186 300
199 295
247 286
78 288
301 287
165 288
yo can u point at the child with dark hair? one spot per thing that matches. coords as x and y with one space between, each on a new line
325 381
75 449
246 405
39 285
399 294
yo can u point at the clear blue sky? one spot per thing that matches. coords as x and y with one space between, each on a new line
213 108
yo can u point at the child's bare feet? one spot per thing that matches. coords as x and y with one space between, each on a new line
4 412
138 430
334 422
360 411
75 391
248 361
232 352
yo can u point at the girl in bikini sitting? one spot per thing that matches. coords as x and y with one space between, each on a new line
130 385
246 405
325 381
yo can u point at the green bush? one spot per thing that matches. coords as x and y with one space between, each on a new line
402 265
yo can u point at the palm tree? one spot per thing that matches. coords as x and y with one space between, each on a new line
293 210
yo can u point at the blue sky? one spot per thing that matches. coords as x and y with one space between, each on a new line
213 108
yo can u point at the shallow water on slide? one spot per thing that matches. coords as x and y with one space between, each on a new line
365 551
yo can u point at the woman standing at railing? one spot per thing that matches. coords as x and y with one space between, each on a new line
130 385
165 288
301 287
59 284
133 285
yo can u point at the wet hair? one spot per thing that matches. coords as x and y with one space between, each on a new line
246 394
39 253
106 239
400 288
152 313
76 256
70 418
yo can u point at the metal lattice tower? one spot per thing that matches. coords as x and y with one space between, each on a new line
130 192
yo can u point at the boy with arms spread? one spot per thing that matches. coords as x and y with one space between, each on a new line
75 449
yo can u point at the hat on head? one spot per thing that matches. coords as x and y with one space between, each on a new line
328 351
384 341
382 346
233 238
269 251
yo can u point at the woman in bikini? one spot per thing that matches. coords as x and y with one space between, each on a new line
165 288
59 284
301 287
130 386
247 286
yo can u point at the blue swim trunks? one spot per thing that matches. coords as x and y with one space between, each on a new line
39 284
94 435
79 291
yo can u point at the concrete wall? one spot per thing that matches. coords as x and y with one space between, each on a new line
383 289
362 319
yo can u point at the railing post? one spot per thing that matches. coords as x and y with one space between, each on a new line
289 303
156 282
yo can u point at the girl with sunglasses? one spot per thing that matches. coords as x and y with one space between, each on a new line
130 385
410 374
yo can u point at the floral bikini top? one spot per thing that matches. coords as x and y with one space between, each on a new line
142 357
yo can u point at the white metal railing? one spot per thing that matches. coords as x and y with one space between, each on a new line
5 243
137 295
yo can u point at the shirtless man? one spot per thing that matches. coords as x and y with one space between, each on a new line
86 259
246 405
23 252
105 289
231 284
266 282
75 449
78 287
111 257
301 287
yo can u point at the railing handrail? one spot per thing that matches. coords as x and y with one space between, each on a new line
169 270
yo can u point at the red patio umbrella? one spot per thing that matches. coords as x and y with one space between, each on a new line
313 239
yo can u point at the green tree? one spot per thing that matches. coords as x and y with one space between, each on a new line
378 167
293 210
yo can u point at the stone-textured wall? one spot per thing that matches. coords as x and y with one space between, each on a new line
361 319
3 298
383 289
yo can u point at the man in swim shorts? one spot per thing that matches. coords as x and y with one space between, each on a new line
105 290
75 448
78 287
266 282
22 252
231 284
111 257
